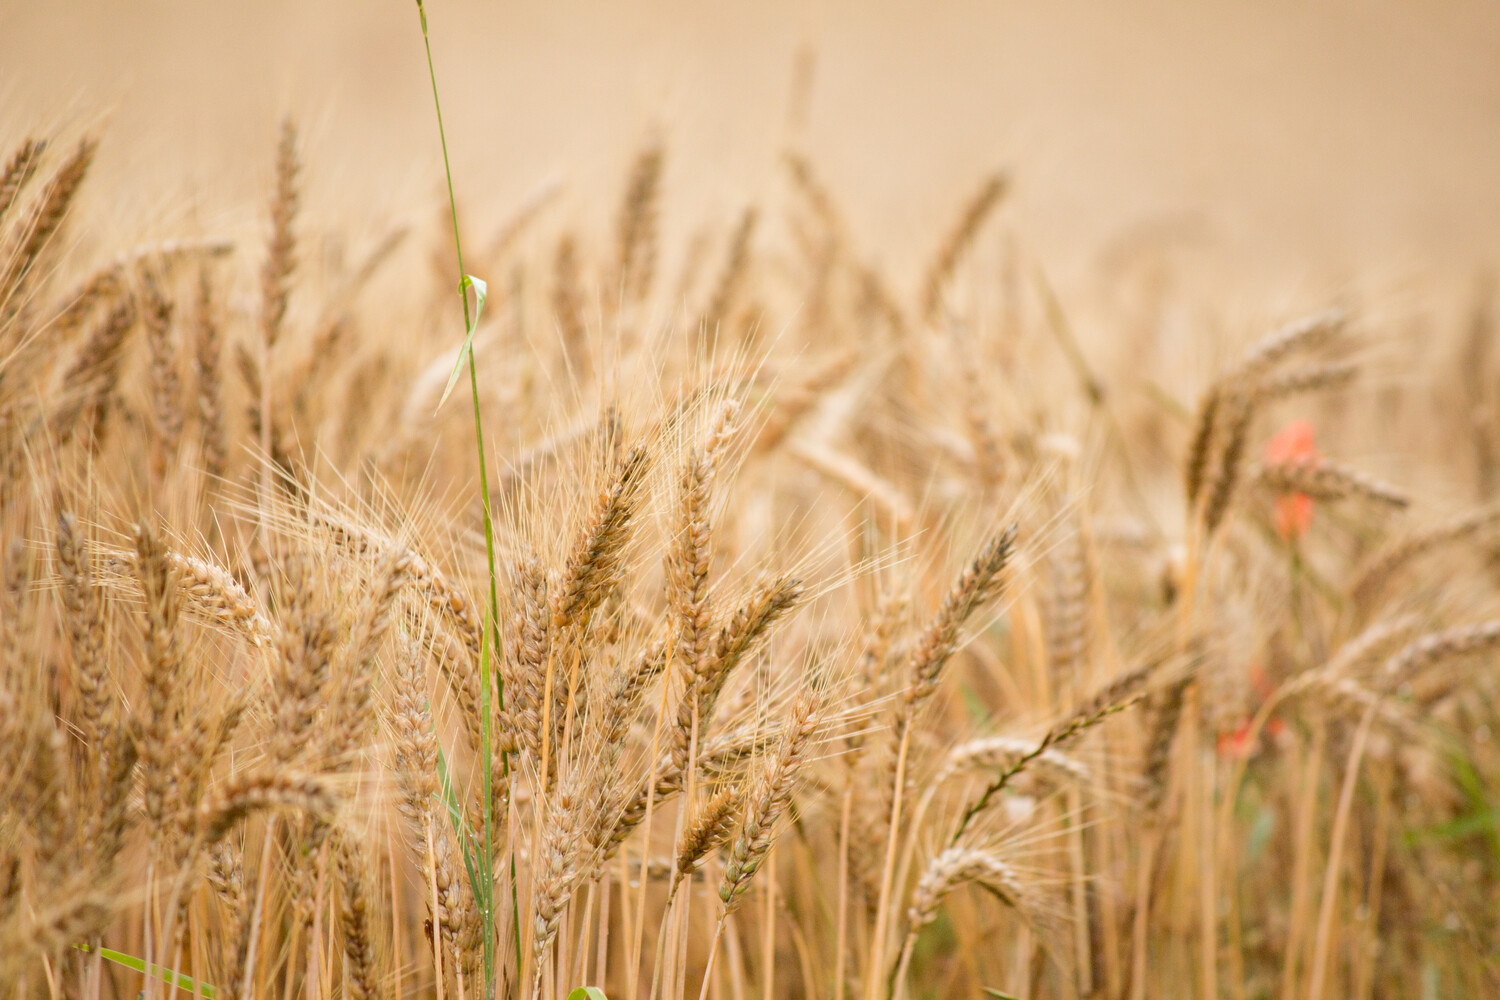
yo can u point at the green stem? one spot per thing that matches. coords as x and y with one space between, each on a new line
490 643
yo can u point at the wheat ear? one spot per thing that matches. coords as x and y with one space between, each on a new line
19 169
300 674
207 355
1116 696
622 703
1196 468
166 402
568 308
258 792
361 978
83 602
91 378
959 240
45 219
946 872
352 714
276 273
1324 480
687 563
597 558
979 583
1312 378
708 829
213 592
1372 575
769 798
1239 412
635 254
731 278
163 666
1002 752
1436 647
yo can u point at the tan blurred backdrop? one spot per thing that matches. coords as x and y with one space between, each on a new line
1286 144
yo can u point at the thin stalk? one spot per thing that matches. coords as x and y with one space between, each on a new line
640 916
1365 968
437 909
713 953
768 929
1140 927
1302 859
841 936
1332 870
247 973
601 960
581 963
1207 879
490 642
877 947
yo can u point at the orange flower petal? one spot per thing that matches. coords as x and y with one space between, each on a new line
1293 443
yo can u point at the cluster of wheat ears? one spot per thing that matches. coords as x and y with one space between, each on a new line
801 638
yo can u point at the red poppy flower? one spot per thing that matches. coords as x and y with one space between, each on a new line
1291 445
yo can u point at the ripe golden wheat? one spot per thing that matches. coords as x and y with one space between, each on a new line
852 640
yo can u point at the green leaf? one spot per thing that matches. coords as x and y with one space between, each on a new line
587 993
157 972
991 992
481 291
461 830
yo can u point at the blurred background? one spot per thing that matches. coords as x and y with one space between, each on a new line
1273 150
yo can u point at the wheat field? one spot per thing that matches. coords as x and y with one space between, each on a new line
736 589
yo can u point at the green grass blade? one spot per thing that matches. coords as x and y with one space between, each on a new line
460 827
490 642
157 972
481 291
